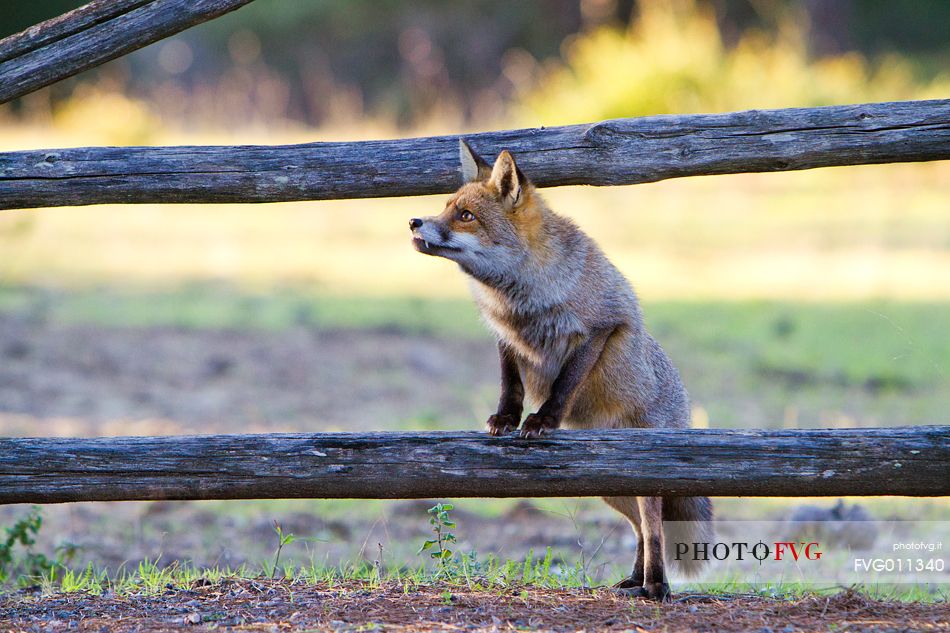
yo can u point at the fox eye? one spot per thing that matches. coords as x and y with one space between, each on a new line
466 216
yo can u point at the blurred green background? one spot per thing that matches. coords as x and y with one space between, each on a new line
802 299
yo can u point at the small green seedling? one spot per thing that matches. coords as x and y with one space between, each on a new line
282 539
441 524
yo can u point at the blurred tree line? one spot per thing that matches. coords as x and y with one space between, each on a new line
314 61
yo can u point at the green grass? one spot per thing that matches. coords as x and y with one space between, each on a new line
879 346
215 306
746 363
153 577
875 344
806 365
883 346
489 574
552 568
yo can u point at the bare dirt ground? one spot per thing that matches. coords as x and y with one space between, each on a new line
265 605
91 381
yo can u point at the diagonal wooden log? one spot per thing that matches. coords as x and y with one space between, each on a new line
64 25
617 152
93 34
886 461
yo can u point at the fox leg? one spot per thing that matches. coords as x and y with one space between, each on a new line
651 539
633 584
511 402
572 375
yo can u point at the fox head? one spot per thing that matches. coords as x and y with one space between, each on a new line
489 224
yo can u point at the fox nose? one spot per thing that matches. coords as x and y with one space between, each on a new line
415 223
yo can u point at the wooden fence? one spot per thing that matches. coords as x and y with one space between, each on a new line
617 152
896 461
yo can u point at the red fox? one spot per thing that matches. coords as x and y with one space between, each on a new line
570 337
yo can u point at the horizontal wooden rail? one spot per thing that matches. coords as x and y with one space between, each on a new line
895 461
93 34
617 152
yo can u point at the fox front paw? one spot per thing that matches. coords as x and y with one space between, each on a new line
503 423
536 425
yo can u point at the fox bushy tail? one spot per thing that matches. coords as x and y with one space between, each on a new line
690 521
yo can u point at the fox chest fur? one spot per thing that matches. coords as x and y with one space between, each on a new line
541 336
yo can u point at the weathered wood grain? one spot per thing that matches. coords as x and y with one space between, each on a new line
70 23
895 461
621 151
93 34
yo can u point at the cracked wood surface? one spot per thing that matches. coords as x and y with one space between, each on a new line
615 152
93 34
911 461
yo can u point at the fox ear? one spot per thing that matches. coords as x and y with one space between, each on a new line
508 179
473 166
